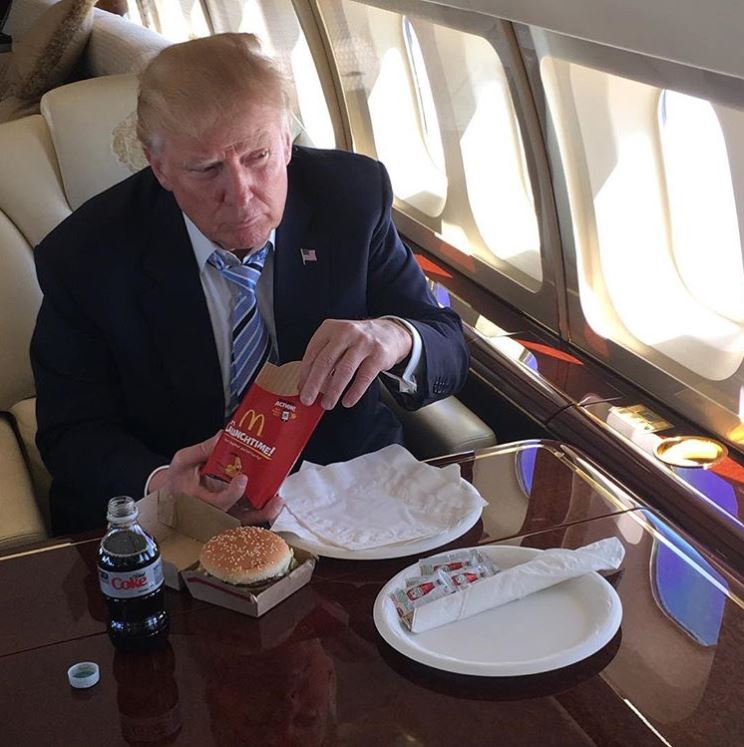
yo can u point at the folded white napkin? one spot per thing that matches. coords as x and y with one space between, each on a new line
377 499
549 568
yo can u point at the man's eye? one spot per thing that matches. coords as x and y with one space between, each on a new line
261 155
207 169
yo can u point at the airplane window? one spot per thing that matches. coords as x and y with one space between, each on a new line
434 104
276 24
389 98
497 183
177 20
627 237
426 107
702 206
652 224
133 12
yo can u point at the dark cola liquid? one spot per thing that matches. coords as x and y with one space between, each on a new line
127 559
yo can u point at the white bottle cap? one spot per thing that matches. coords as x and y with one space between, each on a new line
83 674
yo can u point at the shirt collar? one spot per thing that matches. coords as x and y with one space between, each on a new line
204 247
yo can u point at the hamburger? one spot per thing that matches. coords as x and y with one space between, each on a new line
246 556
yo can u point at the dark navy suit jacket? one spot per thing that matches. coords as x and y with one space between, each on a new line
124 356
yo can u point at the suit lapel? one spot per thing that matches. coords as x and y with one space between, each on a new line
174 305
301 284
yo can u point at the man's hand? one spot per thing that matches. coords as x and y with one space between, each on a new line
247 514
342 350
182 476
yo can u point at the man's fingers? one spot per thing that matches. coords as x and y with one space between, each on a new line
365 375
317 342
273 508
196 454
348 365
226 498
249 515
319 377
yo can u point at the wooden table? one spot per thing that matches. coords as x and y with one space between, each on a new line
314 670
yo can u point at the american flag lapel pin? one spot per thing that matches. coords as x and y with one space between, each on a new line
308 255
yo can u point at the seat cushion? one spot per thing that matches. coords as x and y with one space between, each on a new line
47 53
118 46
441 428
20 299
22 522
92 126
36 202
24 416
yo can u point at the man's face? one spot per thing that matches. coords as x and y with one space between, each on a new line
232 181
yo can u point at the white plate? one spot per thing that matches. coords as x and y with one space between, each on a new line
399 550
544 631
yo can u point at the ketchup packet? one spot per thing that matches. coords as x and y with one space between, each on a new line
453 561
471 574
266 433
421 590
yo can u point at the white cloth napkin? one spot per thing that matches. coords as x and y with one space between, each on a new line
377 499
549 568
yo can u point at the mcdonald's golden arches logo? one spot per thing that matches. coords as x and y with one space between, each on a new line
256 420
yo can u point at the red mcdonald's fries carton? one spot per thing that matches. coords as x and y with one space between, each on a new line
266 433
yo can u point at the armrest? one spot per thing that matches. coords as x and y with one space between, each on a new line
443 427
21 521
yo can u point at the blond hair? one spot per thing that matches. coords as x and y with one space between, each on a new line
190 87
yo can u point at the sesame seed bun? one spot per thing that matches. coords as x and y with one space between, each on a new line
245 555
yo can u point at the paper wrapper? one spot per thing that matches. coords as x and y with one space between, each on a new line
376 500
549 568
266 434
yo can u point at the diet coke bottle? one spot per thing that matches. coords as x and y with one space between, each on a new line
131 575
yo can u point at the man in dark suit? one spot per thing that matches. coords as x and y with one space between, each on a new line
136 351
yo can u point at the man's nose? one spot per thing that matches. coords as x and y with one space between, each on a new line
238 187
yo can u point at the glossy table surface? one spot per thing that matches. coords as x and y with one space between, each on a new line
314 670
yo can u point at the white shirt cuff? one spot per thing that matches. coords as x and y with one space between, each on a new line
407 380
152 474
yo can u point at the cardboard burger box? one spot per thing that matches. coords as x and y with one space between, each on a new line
181 525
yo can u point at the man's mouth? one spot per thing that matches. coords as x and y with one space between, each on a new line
246 223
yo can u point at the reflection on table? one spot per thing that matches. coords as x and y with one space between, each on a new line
314 671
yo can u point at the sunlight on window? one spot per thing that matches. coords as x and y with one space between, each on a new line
705 230
181 20
427 109
495 174
253 22
133 12
496 207
635 280
639 275
310 99
415 177
454 234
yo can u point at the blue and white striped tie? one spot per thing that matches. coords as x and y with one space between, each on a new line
250 338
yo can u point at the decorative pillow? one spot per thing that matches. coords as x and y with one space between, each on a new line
126 145
47 53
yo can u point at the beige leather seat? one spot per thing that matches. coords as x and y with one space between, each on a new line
50 165
82 143
31 203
